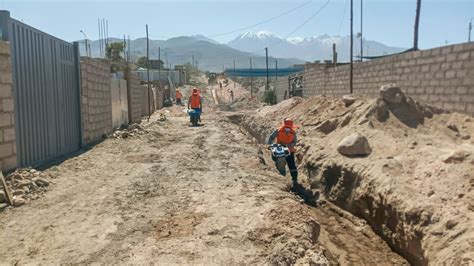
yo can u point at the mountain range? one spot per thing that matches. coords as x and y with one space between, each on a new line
213 56
309 48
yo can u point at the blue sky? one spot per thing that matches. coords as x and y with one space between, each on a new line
387 21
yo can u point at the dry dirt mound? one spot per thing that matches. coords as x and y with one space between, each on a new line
415 188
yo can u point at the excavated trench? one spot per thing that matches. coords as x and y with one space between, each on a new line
338 184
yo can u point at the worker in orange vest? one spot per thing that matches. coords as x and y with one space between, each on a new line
179 97
195 102
286 136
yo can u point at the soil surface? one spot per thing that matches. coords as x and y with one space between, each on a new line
182 195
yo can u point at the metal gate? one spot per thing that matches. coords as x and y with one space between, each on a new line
46 89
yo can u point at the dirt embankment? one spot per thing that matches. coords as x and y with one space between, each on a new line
416 187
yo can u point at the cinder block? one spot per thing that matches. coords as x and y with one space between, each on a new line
450 74
452 57
9 134
4 48
5 78
5 119
5 90
446 50
464 56
6 150
7 105
458 48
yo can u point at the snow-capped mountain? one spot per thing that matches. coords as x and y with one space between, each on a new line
312 48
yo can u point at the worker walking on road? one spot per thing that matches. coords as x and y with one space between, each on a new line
195 102
286 136
179 97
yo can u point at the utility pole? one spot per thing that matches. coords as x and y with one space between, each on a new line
334 54
159 64
234 74
193 61
148 71
85 43
124 49
352 47
266 60
251 87
361 35
100 38
417 24
276 69
470 28
129 50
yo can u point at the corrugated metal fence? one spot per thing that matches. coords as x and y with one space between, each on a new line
46 90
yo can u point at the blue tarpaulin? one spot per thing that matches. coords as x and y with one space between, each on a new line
262 72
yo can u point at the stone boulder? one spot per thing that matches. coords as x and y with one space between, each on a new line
354 145
391 93
348 100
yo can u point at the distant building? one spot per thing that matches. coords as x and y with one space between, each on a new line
156 64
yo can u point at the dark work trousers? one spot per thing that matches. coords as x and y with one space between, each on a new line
290 160
178 101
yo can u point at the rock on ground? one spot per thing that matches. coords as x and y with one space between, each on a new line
391 93
354 145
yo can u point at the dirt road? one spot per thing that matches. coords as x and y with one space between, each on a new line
181 195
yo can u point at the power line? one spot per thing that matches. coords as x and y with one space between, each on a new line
260 23
342 19
300 26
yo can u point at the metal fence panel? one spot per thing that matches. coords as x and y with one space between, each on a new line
46 91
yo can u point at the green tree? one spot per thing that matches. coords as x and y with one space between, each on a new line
142 62
114 51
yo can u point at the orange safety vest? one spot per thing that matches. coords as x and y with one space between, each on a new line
195 101
286 138
179 95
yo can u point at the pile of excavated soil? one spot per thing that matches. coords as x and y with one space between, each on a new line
415 188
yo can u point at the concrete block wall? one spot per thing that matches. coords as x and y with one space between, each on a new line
443 77
281 88
135 97
8 159
96 99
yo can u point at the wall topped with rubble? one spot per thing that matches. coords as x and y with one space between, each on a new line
443 77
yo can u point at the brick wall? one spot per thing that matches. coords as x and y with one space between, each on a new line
443 77
7 128
96 99
281 88
135 97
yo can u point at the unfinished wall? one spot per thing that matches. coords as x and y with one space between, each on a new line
443 77
7 128
159 97
96 99
281 88
118 90
135 97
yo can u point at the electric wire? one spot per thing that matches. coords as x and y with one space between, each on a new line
259 23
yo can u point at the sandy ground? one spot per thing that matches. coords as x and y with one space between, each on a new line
181 195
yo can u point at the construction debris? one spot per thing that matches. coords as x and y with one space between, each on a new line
25 184
128 131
